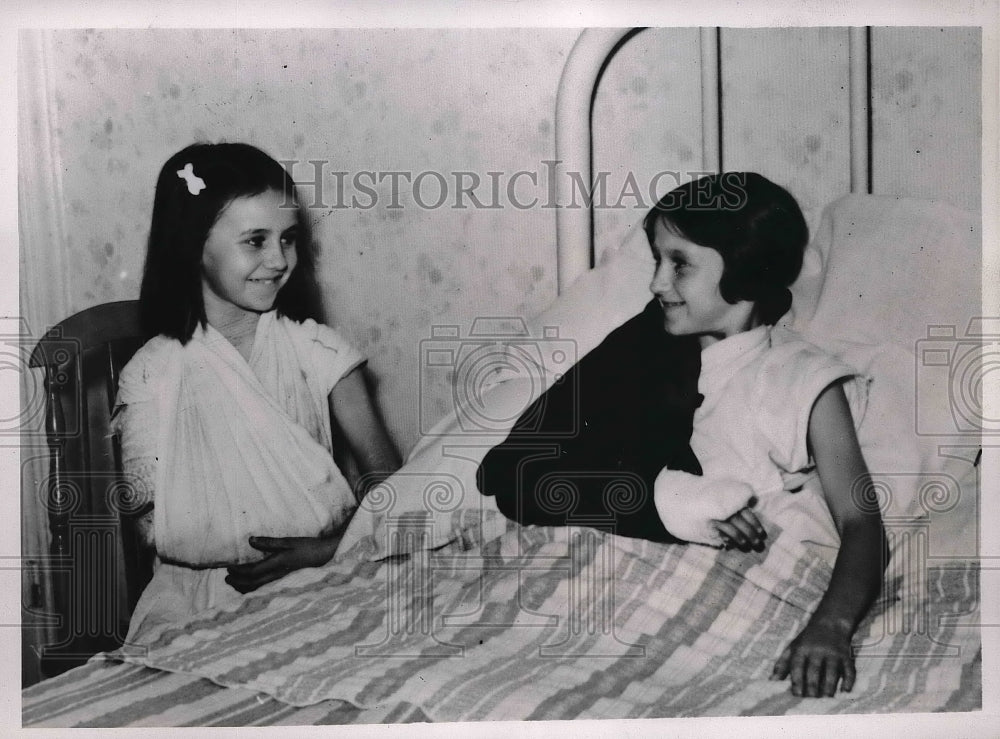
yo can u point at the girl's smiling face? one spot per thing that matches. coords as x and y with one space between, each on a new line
686 283
248 257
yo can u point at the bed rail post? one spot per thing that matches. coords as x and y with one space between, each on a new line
859 61
574 99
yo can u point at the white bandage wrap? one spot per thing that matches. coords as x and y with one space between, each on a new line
688 504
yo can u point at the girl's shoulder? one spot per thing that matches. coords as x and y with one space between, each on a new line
786 337
790 377
154 352
792 373
309 332
323 352
145 366
790 353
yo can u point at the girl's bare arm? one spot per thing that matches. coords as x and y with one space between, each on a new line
821 655
362 424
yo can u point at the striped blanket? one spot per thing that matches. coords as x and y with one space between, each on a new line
474 619
539 623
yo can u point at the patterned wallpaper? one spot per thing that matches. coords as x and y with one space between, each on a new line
430 103
925 108
785 114
439 103
786 110
647 125
446 106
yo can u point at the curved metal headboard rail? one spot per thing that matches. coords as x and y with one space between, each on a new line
574 101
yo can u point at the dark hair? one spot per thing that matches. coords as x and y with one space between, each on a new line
170 300
754 224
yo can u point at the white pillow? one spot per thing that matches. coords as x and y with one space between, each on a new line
878 272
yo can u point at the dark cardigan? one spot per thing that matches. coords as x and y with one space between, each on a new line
587 451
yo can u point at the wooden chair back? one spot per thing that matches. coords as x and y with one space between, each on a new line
98 566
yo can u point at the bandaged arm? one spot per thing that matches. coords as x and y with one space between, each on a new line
688 504
138 462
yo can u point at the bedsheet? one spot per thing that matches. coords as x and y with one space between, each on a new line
540 623
440 610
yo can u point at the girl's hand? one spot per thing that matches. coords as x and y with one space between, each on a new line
285 555
742 530
817 659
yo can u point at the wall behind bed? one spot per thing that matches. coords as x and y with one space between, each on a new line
101 110
120 102
674 102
